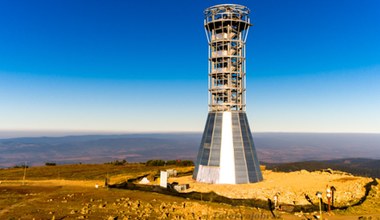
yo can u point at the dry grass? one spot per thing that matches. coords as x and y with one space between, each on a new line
65 200
79 172
64 191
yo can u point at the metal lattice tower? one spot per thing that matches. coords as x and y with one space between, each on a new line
227 28
227 153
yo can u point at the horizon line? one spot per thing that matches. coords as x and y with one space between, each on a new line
7 134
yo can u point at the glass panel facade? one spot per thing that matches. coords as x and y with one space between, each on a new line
240 164
204 148
253 166
216 140
247 167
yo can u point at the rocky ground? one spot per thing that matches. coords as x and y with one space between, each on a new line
291 187
80 199
40 201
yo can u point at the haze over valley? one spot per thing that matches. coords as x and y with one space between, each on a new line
271 147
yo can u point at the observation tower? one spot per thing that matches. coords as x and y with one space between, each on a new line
227 153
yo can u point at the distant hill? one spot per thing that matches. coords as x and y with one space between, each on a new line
356 166
271 147
97 148
291 147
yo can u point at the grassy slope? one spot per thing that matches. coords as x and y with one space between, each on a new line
62 200
79 171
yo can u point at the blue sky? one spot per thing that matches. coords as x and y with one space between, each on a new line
141 66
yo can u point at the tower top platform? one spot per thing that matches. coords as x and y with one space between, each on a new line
227 8
236 15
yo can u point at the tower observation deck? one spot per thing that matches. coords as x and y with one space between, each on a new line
227 153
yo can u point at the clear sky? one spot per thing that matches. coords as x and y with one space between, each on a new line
131 66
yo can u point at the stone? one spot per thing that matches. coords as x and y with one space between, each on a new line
84 211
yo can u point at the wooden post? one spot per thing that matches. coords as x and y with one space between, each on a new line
319 195
328 195
333 189
23 179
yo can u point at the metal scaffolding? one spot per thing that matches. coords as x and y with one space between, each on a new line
226 27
